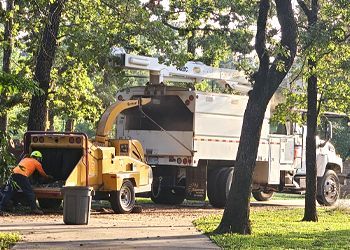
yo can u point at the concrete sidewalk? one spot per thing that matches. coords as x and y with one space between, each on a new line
158 227
106 232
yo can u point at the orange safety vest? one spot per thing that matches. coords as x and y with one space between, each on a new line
27 166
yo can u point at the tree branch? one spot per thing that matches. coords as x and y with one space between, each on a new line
260 38
304 7
288 42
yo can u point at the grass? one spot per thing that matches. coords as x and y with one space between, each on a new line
8 239
282 196
283 229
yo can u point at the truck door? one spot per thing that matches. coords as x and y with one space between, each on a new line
281 156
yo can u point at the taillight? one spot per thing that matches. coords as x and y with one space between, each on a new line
191 97
187 102
78 140
120 98
71 139
298 149
41 139
184 161
179 161
35 139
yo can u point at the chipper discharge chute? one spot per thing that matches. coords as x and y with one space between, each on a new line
115 169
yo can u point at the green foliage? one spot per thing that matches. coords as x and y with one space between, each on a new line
86 127
8 239
215 29
74 94
327 43
6 158
341 135
281 229
13 84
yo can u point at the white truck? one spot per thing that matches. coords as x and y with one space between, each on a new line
191 138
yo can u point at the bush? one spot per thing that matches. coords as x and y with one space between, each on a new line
8 239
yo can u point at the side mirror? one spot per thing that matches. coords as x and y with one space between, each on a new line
329 131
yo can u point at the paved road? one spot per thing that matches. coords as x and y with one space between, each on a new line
157 227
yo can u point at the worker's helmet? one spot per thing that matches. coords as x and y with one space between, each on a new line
36 154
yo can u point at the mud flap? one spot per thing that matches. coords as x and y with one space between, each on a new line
196 187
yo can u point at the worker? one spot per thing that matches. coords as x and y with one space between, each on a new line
19 177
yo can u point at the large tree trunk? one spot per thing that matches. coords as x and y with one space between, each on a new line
6 60
38 108
236 214
310 211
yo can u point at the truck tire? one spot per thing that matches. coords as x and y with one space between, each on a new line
262 195
328 188
211 185
49 203
123 201
219 183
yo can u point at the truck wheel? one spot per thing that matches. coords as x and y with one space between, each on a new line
49 203
328 188
262 196
123 201
219 183
211 186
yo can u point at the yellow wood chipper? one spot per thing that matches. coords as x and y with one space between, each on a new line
115 169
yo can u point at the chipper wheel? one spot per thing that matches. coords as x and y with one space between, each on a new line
123 201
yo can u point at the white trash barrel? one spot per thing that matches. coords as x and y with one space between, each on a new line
76 205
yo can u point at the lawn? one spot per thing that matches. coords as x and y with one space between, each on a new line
8 239
282 196
283 229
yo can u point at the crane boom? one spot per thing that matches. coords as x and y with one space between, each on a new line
191 72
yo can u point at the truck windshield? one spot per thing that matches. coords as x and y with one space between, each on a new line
341 134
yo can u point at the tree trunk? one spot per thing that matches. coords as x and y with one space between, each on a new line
51 120
191 44
6 60
310 211
236 214
38 108
69 125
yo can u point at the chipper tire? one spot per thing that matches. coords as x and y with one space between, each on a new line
123 201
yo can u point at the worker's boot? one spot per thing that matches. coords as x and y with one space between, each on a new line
37 211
